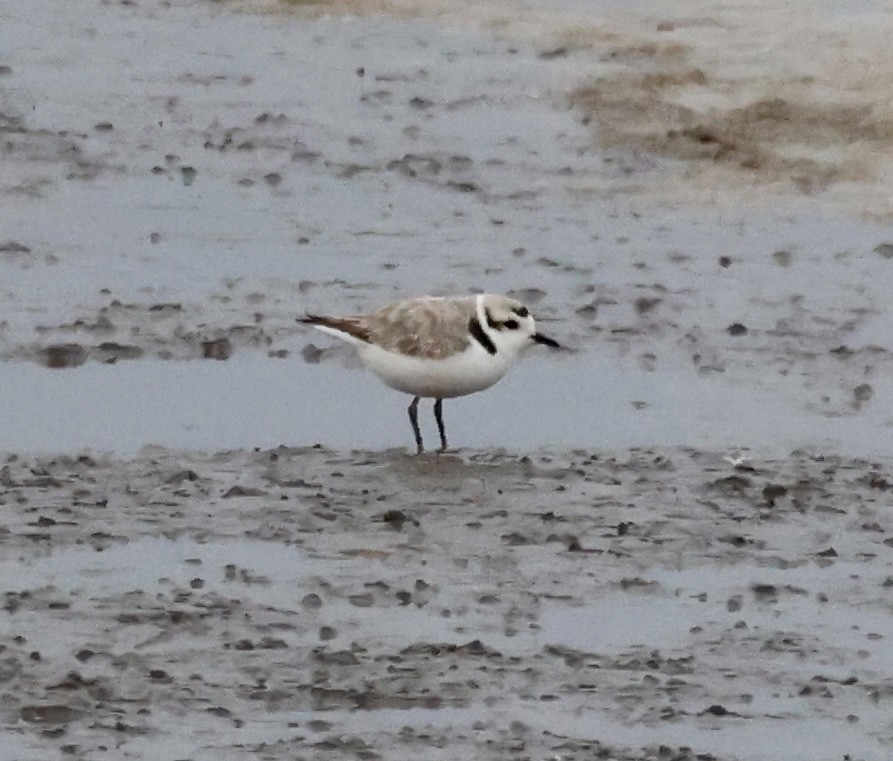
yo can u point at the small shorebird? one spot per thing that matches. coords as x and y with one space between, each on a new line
438 347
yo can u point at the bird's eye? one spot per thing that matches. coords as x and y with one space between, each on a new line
511 324
522 312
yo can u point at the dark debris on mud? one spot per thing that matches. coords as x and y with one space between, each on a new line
376 605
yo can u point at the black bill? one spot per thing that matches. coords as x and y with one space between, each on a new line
545 340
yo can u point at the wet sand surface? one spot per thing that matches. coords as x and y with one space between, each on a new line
673 542
304 603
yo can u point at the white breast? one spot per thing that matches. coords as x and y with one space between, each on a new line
464 373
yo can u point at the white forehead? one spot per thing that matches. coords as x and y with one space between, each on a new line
501 305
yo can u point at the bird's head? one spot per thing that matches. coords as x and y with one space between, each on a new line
509 324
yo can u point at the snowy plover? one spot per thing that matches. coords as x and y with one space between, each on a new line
438 347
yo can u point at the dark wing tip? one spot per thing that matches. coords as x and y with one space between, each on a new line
348 325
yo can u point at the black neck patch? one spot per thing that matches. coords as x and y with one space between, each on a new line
478 334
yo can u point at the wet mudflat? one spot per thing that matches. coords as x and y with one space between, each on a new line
305 603
672 543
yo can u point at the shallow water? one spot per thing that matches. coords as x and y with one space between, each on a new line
550 402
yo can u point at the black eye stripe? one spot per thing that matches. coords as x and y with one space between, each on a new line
510 323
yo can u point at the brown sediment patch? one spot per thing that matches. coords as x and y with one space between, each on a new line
770 139
803 112
744 99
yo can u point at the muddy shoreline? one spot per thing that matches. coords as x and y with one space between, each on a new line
310 603
673 544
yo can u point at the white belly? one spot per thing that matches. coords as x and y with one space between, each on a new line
472 370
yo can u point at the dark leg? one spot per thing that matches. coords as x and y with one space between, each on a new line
438 416
414 419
